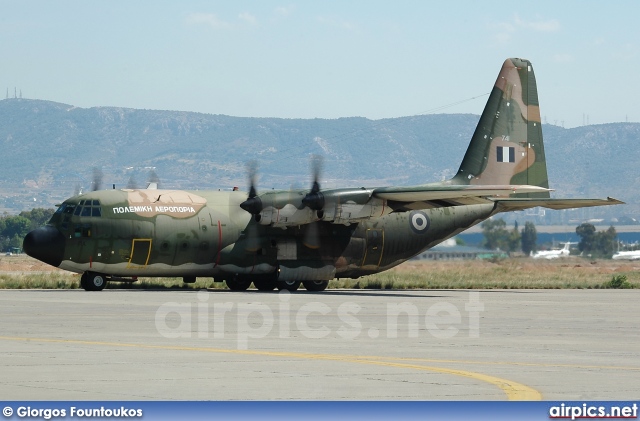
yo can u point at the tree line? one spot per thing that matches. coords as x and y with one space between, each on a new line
13 228
592 243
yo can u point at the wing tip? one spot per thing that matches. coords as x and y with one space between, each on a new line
615 201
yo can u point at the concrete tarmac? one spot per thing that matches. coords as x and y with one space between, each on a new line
335 345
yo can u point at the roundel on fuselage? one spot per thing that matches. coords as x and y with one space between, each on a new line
419 222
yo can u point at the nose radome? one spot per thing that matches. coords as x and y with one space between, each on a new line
45 244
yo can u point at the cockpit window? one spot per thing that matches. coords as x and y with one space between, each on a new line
64 213
89 208
65 208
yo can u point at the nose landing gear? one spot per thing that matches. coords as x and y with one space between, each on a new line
91 281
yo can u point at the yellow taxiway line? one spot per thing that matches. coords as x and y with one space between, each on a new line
513 390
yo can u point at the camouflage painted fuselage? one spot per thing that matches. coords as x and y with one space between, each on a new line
144 233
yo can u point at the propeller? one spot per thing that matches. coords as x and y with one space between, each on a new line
253 204
154 180
96 184
132 184
315 199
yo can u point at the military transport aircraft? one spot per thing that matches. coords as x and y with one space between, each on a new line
280 239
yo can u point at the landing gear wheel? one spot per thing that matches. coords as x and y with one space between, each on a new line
237 284
315 285
288 285
265 285
91 281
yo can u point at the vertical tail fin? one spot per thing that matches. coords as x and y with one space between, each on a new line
507 146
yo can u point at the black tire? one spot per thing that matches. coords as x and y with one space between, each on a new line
288 285
189 279
265 285
91 281
315 285
237 284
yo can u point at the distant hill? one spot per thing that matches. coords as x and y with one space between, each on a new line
49 150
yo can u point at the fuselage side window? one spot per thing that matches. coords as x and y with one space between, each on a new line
83 230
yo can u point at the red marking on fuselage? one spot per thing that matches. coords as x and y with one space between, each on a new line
219 243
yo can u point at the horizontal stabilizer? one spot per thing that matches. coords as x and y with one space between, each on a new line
506 205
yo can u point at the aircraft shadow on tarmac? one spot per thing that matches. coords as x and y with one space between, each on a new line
339 293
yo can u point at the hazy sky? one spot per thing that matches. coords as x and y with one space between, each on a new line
326 59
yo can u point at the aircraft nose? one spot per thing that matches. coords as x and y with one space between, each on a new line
45 244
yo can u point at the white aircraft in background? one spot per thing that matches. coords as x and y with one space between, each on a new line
627 255
554 254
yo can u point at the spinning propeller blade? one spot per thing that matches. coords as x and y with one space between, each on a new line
96 184
253 204
315 199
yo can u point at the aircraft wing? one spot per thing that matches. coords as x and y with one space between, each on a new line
421 193
433 196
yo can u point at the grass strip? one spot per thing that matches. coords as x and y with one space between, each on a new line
507 274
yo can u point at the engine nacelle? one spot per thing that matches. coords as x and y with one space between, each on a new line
338 206
284 209
351 206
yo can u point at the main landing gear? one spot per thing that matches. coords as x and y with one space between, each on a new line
270 284
315 285
238 284
288 285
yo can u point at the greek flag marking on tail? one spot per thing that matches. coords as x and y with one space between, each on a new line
506 153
